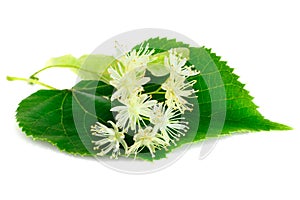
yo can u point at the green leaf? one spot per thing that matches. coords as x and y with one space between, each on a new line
241 113
225 106
63 117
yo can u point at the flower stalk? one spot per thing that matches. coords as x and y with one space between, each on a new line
30 81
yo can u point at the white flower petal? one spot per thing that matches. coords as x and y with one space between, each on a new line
110 139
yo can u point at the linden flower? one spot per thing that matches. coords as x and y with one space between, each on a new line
146 138
177 64
135 59
127 82
111 139
177 89
169 122
134 108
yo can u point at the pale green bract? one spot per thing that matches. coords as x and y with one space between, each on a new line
94 66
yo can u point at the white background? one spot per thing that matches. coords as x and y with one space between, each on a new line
260 39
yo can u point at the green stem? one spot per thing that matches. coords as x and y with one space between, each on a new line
58 66
146 118
30 81
156 91
67 66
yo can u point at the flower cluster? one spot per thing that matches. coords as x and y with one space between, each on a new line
155 124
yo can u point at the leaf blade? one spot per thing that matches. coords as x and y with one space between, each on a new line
64 117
